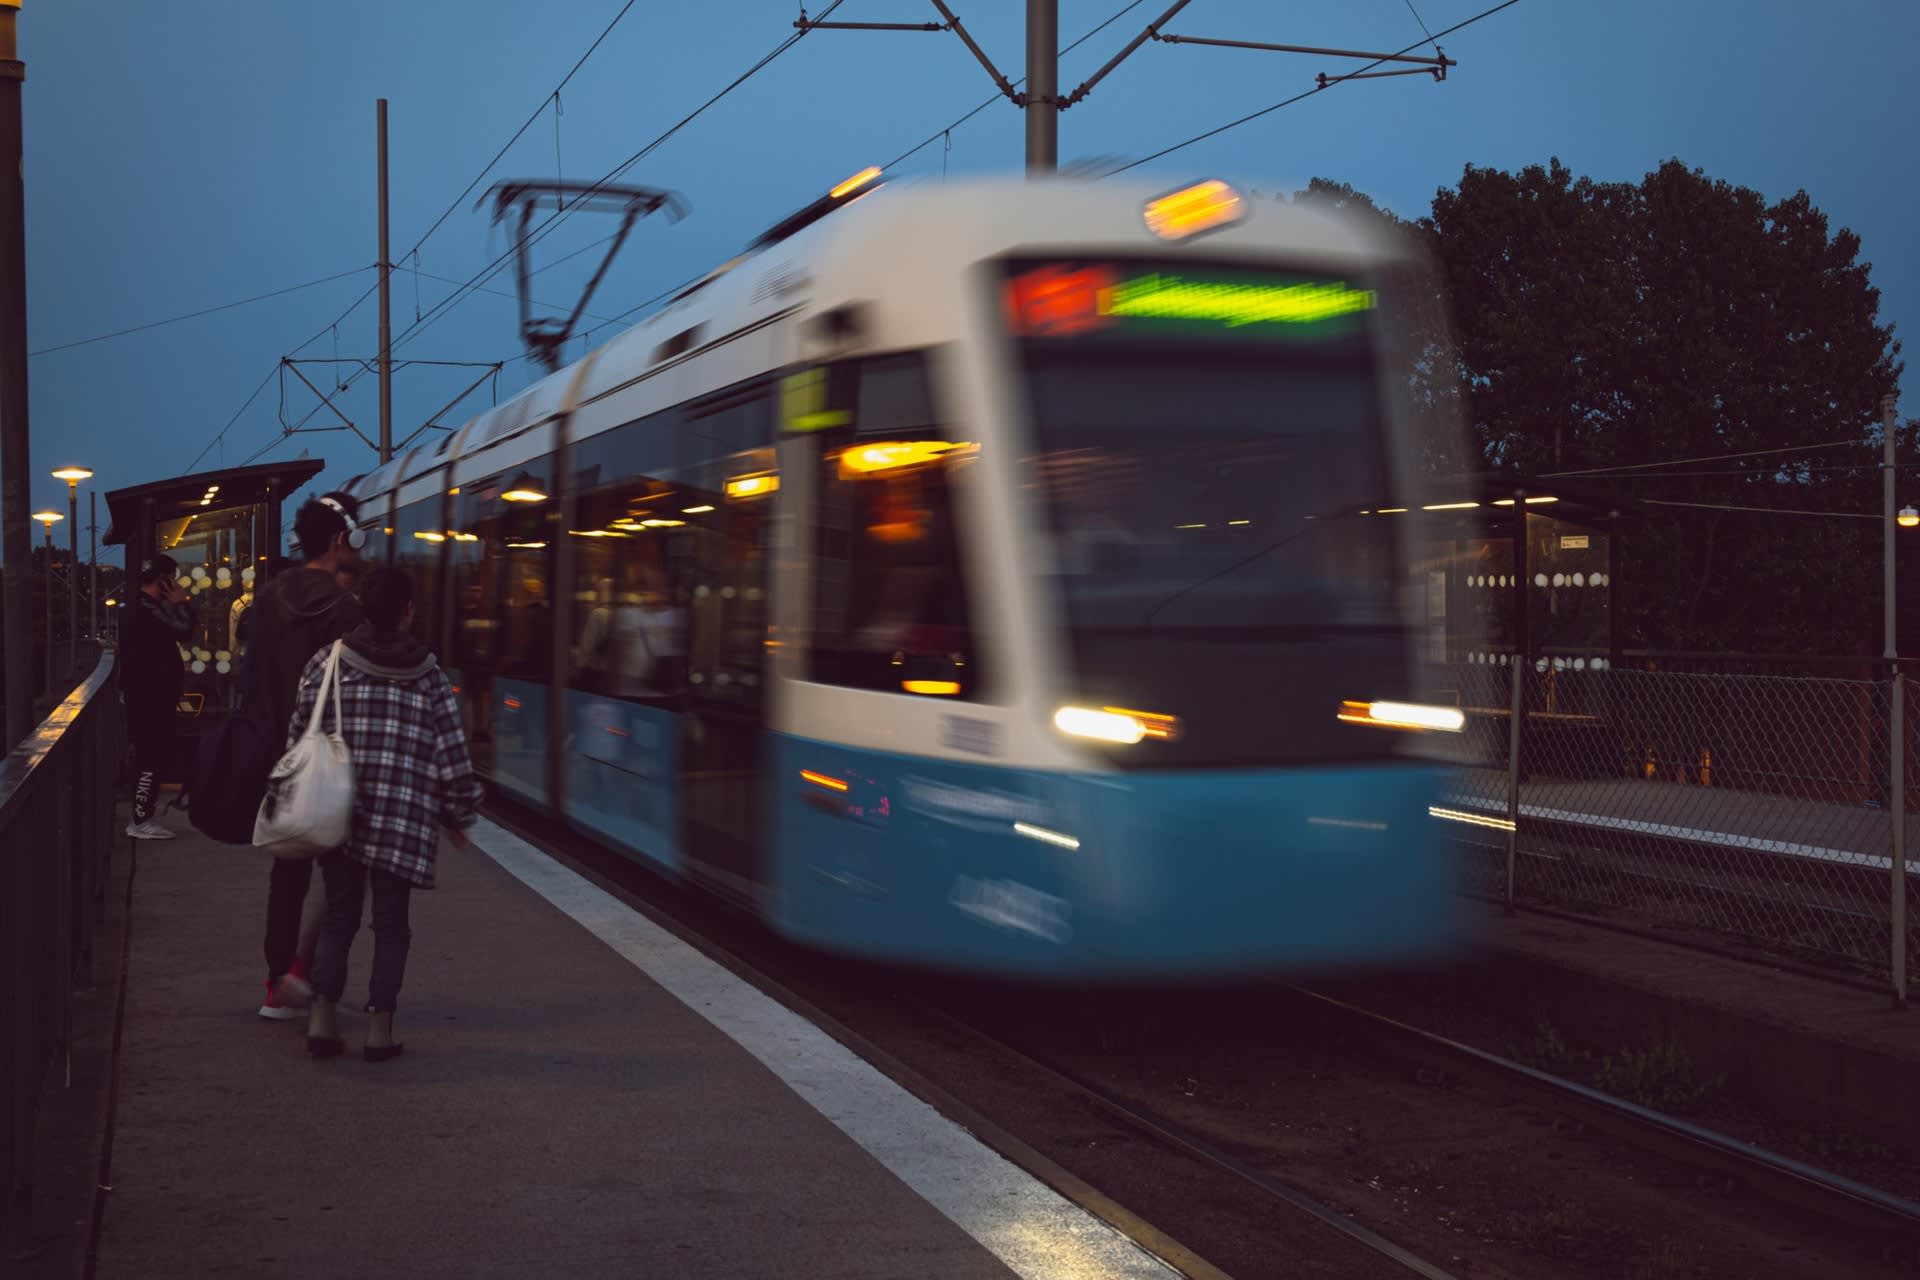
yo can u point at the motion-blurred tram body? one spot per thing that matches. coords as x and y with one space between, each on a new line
983 576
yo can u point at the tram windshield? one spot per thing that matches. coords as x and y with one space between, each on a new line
1211 499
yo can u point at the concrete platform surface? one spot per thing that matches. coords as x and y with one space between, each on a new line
557 1112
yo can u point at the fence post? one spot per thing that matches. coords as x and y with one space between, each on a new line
1896 751
1513 773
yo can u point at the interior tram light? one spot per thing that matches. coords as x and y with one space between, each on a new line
524 488
756 486
893 454
1194 209
1403 715
1116 724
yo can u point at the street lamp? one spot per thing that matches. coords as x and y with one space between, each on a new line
73 476
1908 518
47 520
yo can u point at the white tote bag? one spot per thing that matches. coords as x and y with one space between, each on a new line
308 807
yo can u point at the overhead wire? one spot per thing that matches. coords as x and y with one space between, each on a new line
940 133
485 274
195 315
1709 457
1305 94
560 214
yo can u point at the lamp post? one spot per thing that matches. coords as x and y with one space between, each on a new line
73 476
47 520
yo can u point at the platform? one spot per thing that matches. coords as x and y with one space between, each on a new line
582 1094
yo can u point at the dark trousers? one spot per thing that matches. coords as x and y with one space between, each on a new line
150 726
286 895
346 883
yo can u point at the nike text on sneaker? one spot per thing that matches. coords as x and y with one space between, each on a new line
149 831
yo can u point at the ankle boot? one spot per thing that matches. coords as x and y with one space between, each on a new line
323 1032
380 1043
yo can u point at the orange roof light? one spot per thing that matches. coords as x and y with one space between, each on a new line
1191 210
856 182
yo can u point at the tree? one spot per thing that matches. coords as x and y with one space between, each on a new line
1605 324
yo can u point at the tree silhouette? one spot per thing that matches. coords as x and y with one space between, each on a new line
1603 324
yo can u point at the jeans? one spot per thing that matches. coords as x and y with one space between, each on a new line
346 884
286 895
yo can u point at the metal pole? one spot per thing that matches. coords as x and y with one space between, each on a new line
386 311
1516 711
1043 85
16 541
49 662
1896 718
93 563
73 575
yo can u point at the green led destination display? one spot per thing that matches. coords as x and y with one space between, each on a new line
1082 299
1233 305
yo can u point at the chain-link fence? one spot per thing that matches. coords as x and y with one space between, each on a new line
1749 805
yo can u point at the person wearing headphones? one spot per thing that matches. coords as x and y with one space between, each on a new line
152 678
296 614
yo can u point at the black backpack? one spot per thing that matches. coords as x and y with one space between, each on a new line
230 777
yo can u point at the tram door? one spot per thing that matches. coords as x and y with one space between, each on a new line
723 729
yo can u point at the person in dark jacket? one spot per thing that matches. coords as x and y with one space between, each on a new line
152 679
298 613
412 778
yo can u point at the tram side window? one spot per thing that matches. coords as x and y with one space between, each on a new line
417 546
502 554
728 459
631 545
891 602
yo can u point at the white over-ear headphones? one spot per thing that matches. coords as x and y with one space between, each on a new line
356 536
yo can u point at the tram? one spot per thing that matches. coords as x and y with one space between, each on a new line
994 576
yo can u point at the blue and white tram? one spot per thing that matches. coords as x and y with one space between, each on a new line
999 576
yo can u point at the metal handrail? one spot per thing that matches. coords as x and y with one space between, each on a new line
56 837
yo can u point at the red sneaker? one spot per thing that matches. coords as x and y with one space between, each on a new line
279 1007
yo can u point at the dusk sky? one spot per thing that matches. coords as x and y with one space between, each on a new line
185 155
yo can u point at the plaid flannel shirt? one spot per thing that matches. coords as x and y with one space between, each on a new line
411 771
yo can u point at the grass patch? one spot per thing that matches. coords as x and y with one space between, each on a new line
1662 1076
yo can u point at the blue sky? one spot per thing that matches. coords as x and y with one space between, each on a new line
185 155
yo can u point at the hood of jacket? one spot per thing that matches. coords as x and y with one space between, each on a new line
387 655
309 593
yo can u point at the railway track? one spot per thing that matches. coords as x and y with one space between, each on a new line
999 1072
1891 1222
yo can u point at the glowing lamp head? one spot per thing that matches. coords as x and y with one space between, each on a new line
73 475
48 518
1908 518
1191 210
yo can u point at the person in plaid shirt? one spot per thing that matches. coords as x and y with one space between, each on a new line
411 778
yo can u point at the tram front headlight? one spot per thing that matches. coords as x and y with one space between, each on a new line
1414 716
1116 724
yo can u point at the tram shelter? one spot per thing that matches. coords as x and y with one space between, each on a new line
1523 566
223 528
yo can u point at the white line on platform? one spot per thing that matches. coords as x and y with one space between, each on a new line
1694 835
1026 1224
